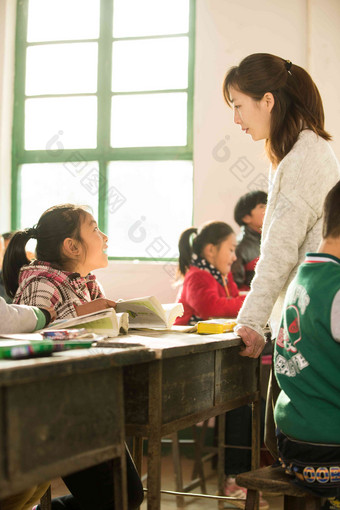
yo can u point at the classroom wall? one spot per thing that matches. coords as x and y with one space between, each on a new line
227 163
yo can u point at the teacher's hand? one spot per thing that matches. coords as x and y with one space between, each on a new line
254 343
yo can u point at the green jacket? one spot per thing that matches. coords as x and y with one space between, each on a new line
307 353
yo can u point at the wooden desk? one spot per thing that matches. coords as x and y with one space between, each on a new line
63 413
193 378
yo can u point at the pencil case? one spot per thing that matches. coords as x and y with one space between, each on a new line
211 327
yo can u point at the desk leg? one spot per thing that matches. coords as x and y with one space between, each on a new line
221 457
256 434
137 453
256 424
154 439
119 480
119 463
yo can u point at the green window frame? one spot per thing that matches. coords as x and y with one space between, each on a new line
103 153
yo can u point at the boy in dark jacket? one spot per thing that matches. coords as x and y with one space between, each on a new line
248 213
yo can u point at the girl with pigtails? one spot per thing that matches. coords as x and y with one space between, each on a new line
205 259
69 246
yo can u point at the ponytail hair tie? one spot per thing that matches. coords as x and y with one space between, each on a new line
288 65
32 232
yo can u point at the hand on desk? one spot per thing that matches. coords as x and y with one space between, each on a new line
95 306
254 343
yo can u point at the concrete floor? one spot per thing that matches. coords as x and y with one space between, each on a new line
168 502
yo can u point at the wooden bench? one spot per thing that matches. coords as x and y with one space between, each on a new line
275 480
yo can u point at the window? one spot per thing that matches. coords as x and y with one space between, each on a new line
103 117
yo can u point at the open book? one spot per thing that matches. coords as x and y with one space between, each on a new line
147 312
103 322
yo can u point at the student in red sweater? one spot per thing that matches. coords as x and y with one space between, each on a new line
205 259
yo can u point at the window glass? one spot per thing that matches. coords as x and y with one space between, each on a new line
48 184
150 204
106 84
62 20
149 120
61 68
150 64
70 122
150 17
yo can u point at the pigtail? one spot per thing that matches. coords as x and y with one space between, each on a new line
15 257
185 250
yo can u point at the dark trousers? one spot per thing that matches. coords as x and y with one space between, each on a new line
92 488
315 467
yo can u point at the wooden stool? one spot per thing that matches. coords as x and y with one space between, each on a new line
197 477
275 480
202 454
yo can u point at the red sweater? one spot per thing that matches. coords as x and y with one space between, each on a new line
204 297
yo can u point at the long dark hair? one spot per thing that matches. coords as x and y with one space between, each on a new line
55 225
331 213
298 103
214 232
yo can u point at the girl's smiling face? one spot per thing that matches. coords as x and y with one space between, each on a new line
93 247
253 116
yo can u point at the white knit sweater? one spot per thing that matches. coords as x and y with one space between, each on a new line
16 319
292 226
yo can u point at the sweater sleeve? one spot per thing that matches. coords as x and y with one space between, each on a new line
205 300
335 317
279 256
18 319
40 292
305 178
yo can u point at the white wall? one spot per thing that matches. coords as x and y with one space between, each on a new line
324 59
227 31
123 280
303 31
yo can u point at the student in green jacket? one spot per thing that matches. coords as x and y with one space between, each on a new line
307 353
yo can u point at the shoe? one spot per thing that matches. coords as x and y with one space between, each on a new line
231 489
333 503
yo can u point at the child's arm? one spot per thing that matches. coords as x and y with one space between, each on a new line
20 319
94 306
